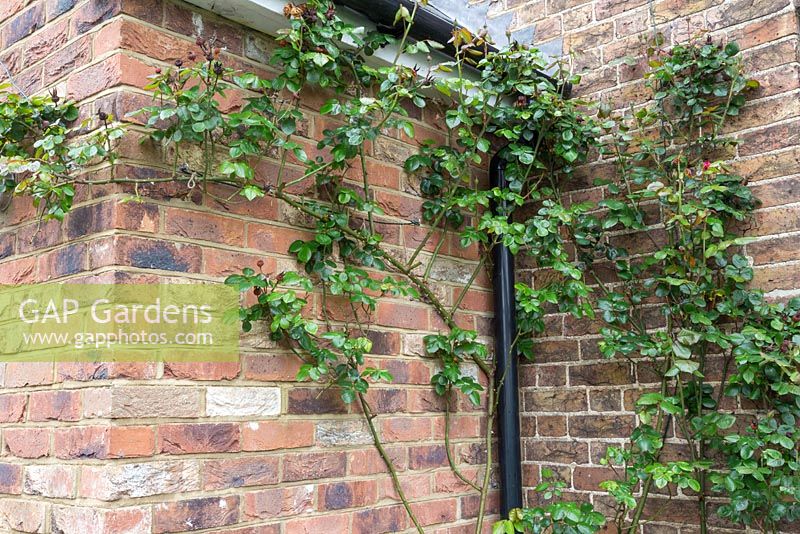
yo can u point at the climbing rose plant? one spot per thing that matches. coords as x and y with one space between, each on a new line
681 305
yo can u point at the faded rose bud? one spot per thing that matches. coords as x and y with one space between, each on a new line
192 56
178 62
260 263
102 115
158 70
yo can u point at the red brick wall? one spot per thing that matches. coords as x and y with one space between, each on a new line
574 402
238 447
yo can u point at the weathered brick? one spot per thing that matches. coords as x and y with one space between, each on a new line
279 502
22 515
435 512
81 442
205 226
10 478
198 437
312 466
111 482
240 472
12 408
195 514
154 401
54 405
23 25
27 442
342 432
242 401
69 519
427 456
312 525
56 481
341 495
380 520
555 400
601 374
272 435
556 451
589 426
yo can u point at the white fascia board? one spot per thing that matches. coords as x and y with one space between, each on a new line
266 16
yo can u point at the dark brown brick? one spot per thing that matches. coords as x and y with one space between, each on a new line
195 514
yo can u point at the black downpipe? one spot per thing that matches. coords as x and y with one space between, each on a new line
509 453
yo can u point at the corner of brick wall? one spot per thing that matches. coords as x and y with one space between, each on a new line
166 447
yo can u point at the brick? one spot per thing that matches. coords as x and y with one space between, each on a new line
607 426
104 216
775 221
313 466
23 25
770 138
405 429
601 374
18 271
736 11
369 462
403 315
380 520
342 432
313 525
774 250
27 442
69 519
11 8
22 515
427 456
70 259
279 502
195 514
81 443
268 367
307 401
152 43
435 512
341 495
555 400
556 451
764 31
555 351
147 254
589 478
55 481
204 226
240 472
198 437
131 441
242 401
54 405
67 59
12 408
45 42
111 482
10 478
272 435
202 370
551 425
785 277
56 8
190 22
154 401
